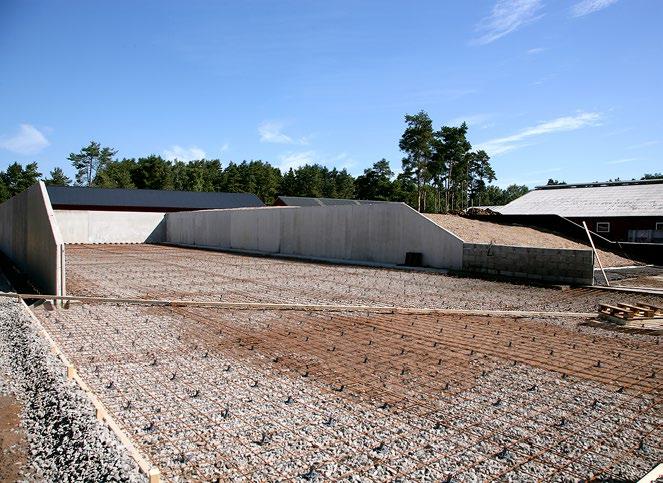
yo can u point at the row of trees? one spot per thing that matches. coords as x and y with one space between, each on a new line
444 161
440 172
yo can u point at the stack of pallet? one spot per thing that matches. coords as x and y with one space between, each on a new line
624 313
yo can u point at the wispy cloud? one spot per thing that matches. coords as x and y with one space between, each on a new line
506 17
646 144
585 7
184 154
536 50
272 132
296 159
622 161
27 140
520 139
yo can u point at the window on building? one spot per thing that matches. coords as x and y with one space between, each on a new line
659 226
603 227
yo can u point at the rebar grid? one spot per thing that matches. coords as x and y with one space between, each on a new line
150 271
392 415
271 394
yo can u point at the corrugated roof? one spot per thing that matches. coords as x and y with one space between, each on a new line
591 201
161 200
306 201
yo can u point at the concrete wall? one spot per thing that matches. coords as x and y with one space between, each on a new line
543 264
30 237
82 226
380 233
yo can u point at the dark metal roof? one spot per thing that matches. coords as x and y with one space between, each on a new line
81 197
305 201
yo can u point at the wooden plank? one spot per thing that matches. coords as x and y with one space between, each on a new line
304 307
653 475
655 308
639 310
607 282
151 472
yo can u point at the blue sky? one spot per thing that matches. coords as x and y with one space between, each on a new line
564 89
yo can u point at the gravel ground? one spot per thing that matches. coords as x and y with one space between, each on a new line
479 231
167 272
648 276
273 395
65 441
267 395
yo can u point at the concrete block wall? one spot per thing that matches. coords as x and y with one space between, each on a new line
567 266
31 239
380 233
83 226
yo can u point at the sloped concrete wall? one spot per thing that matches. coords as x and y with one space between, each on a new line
553 265
82 226
380 233
30 238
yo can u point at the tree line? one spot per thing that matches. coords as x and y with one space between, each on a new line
440 173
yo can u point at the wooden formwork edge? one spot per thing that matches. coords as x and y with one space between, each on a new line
301 307
151 472
653 475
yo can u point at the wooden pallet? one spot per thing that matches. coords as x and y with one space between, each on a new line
624 313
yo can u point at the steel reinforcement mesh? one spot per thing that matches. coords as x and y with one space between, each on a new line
209 393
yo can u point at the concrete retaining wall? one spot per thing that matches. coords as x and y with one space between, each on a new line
543 264
380 233
81 226
30 238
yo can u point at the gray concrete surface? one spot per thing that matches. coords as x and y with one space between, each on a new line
83 226
30 237
557 265
374 233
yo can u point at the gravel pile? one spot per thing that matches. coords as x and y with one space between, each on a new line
66 442
479 231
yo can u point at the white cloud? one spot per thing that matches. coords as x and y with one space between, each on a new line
622 161
28 140
183 154
225 147
506 17
536 50
585 7
518 140
295 160
272 132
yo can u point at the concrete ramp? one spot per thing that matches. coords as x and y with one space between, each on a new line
31 239
381 233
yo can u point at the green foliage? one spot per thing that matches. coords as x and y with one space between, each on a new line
89 160
115 174
496 196
375 183
443 158
554 182
4 191
17 178
417 143
652 176
57 178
